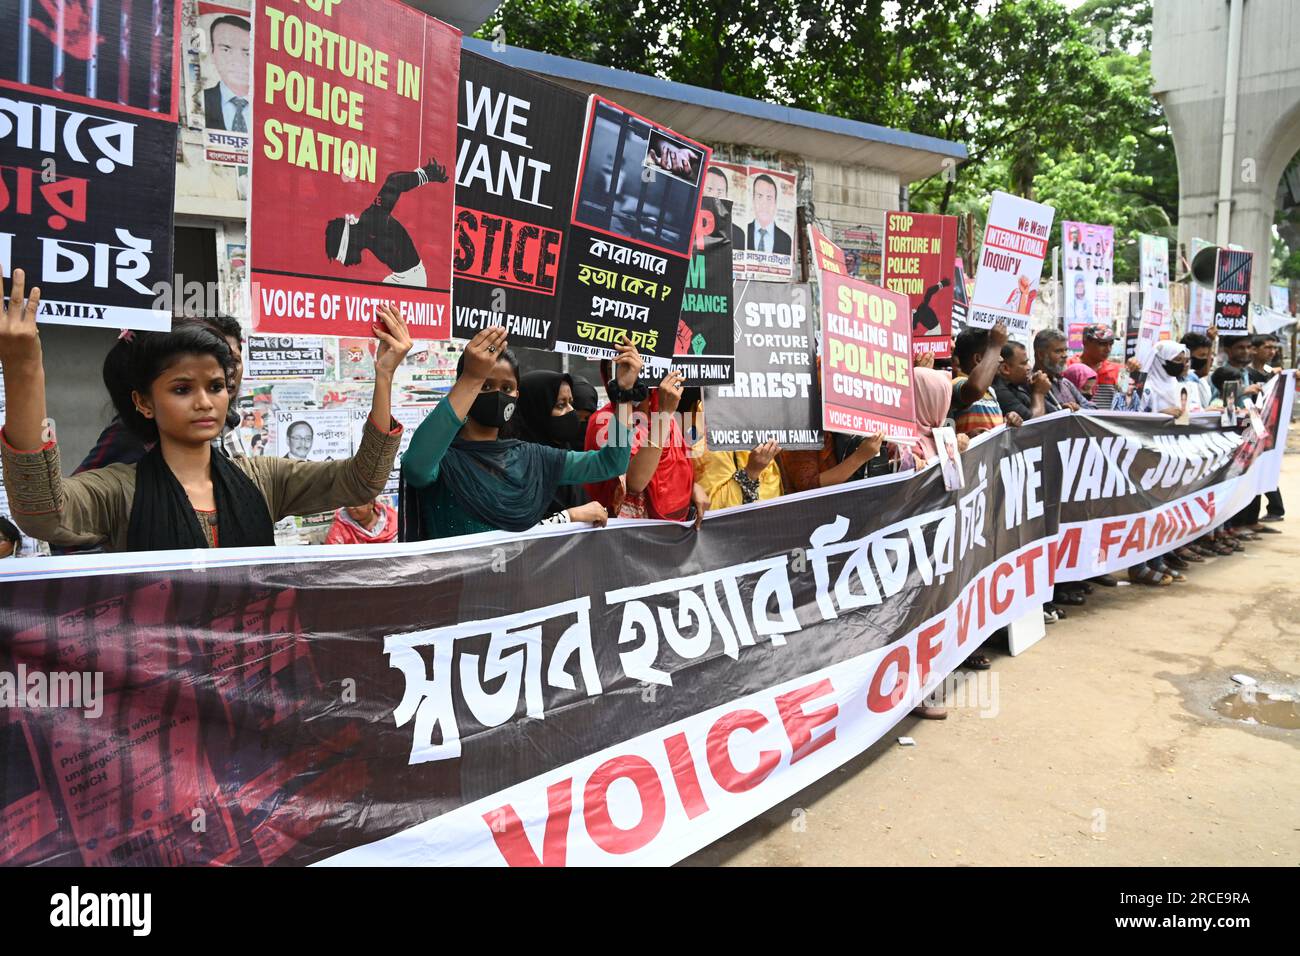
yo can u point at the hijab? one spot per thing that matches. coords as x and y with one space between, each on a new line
538 392
668 495
162 518
1080 374
1164 388
932 392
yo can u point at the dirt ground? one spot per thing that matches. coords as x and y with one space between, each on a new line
1101 745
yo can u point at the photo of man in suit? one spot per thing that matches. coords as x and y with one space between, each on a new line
227 104
717 186
764 235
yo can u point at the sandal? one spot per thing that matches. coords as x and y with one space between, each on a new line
1190 555
1058 611
1145 575
978 662
1175 562
930 712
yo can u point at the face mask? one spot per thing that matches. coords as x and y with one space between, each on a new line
565 431
1175 369
493 409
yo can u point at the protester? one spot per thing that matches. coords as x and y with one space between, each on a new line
976 355
1019 392
1097 342
116 444
1050 354
732 478
459 476
1200 349
11 539
1240 352
841 458
1084 378
547 416
178 398
585 402
372 522
660 482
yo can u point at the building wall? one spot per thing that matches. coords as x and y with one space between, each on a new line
1188 60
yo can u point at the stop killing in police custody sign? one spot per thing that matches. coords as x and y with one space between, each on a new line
353 157
1010 264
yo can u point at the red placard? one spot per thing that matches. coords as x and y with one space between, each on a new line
353 166
918 262
866 359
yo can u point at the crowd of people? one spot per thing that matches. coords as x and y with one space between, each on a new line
508 451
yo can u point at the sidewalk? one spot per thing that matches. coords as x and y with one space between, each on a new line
1104 749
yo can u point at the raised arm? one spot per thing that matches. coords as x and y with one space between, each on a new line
982 375
24 371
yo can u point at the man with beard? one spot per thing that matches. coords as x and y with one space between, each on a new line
1051 350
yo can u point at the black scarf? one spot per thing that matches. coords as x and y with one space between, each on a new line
162 518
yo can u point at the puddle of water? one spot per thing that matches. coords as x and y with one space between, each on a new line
1252 705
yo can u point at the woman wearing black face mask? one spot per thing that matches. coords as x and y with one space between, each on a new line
547 416
460 477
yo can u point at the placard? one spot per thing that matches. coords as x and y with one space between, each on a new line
1232 291
352 166
1087 262
1010 264
775 396
516 164
919 251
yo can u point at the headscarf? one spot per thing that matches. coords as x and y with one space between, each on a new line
585 398
668 495
1164 388
1080 374
932 392
538 392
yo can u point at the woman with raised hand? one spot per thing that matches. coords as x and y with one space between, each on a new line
460 477
175 395
660 482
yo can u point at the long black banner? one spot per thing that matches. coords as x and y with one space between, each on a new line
562 696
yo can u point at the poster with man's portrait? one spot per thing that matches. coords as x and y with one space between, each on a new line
763 219
313 434
220 80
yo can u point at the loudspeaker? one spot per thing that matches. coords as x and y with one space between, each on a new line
1204 265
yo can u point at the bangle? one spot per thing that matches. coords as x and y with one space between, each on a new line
618 396
748 486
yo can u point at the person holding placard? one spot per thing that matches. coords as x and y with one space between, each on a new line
459 476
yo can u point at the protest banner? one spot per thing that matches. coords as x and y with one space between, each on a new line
352 165
960 295
88 163
825 255
220 83
282 356
1010 263
774 396
1087 261
863 248
320 706
1153 263
624 273
706 344
764 214
516 165
1279 298
1232 291
866 359
919 250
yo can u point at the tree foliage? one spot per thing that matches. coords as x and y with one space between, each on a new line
1051 104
